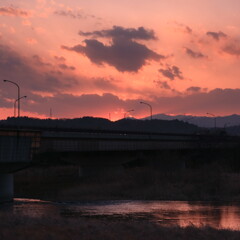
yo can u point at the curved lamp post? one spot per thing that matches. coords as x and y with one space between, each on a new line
125 114
150 107
17 100
18 94
215 119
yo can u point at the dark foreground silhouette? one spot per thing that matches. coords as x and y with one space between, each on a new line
49 227
211 182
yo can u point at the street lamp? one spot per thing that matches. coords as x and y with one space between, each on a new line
17 100
150 107
18 94
125 114
215 119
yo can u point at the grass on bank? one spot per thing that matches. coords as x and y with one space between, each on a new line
49 228
210 182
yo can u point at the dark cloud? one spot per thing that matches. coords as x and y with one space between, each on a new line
68 105
232 48
60 59
32 73
171 72
188 29
66 67
12 11
194 54
69 13
123 54
217 35
56 72
77 14
217 101
62 65
195 89
120 32
105 84
184 28
39 61
163 84
10 61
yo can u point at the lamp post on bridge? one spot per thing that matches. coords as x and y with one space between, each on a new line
125 114
150 107
215 119
15 104
18 93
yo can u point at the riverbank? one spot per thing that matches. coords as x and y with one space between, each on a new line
208 183
50 227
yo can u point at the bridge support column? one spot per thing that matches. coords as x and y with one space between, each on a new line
6 187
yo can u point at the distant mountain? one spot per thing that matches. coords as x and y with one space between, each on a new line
99 124
161 123
203 121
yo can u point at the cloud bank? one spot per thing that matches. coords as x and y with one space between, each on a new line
196 102
34 74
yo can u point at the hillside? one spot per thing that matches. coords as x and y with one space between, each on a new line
90 123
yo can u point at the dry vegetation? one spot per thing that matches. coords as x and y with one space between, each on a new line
49 228
63 183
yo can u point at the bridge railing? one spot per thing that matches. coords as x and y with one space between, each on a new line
18 146
120 141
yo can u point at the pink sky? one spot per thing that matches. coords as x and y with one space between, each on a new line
101 58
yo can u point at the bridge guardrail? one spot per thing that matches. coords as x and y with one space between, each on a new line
18 146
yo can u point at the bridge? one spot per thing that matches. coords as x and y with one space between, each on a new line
22 148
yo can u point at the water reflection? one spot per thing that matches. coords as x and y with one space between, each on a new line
166 213
34 208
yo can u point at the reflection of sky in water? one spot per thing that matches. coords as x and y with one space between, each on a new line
163 212
33 208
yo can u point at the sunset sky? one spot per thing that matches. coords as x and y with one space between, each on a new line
101 58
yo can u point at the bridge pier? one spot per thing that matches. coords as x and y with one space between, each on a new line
6 187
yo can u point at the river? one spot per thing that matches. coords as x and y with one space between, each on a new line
167 213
